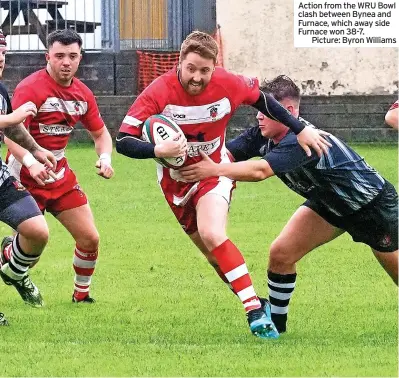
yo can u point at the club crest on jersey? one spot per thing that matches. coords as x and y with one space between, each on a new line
213 111
76 106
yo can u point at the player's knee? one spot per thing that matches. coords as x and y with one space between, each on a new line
212 238
280 254
89 242
36 235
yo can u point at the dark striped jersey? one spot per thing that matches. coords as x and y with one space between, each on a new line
341 181
5 108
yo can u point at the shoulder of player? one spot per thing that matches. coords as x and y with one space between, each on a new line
166 80
227 80
82 86
160 89
221 76
32 80
290 139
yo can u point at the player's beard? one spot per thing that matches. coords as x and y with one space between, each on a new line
65 77
194 90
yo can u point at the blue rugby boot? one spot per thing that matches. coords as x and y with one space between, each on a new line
261 325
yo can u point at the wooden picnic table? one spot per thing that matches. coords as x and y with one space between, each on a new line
33 25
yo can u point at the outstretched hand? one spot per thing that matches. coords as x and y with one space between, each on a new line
201 170
310 137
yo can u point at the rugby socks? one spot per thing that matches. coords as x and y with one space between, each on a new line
222 276
281 287
233 267
84 263
18 261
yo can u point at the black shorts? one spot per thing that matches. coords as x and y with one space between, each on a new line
16 203
375 224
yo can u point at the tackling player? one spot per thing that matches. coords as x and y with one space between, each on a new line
343 194
201 99
63 100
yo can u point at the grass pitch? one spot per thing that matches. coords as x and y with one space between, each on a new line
162 311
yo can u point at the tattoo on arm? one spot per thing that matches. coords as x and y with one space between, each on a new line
21 136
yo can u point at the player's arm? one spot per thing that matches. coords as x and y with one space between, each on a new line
391 118
307 136
254 170
133 147
17 116
103 146
247 145
128 141
40 162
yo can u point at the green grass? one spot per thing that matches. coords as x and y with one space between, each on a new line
162 311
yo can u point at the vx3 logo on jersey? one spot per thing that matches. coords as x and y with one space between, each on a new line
179 116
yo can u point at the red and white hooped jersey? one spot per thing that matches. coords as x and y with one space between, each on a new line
202 118
59 110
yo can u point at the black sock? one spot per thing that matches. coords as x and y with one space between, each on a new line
281 287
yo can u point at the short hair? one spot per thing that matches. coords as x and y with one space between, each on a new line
281 87
65 37
200 43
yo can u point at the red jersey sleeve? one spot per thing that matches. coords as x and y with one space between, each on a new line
395 105
92 120
148 103
241 89
24 94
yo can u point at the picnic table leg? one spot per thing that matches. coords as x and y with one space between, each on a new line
56 15
10 19
40 29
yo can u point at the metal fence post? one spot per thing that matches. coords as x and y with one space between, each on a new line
110 25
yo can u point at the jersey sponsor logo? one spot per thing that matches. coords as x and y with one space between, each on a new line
179 116
208 147
55 129
185 115
71 107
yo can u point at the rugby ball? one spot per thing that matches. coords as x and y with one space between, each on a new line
157 129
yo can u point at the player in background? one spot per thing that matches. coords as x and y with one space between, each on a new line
343 194
17 207
392 116
62 100
201 99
